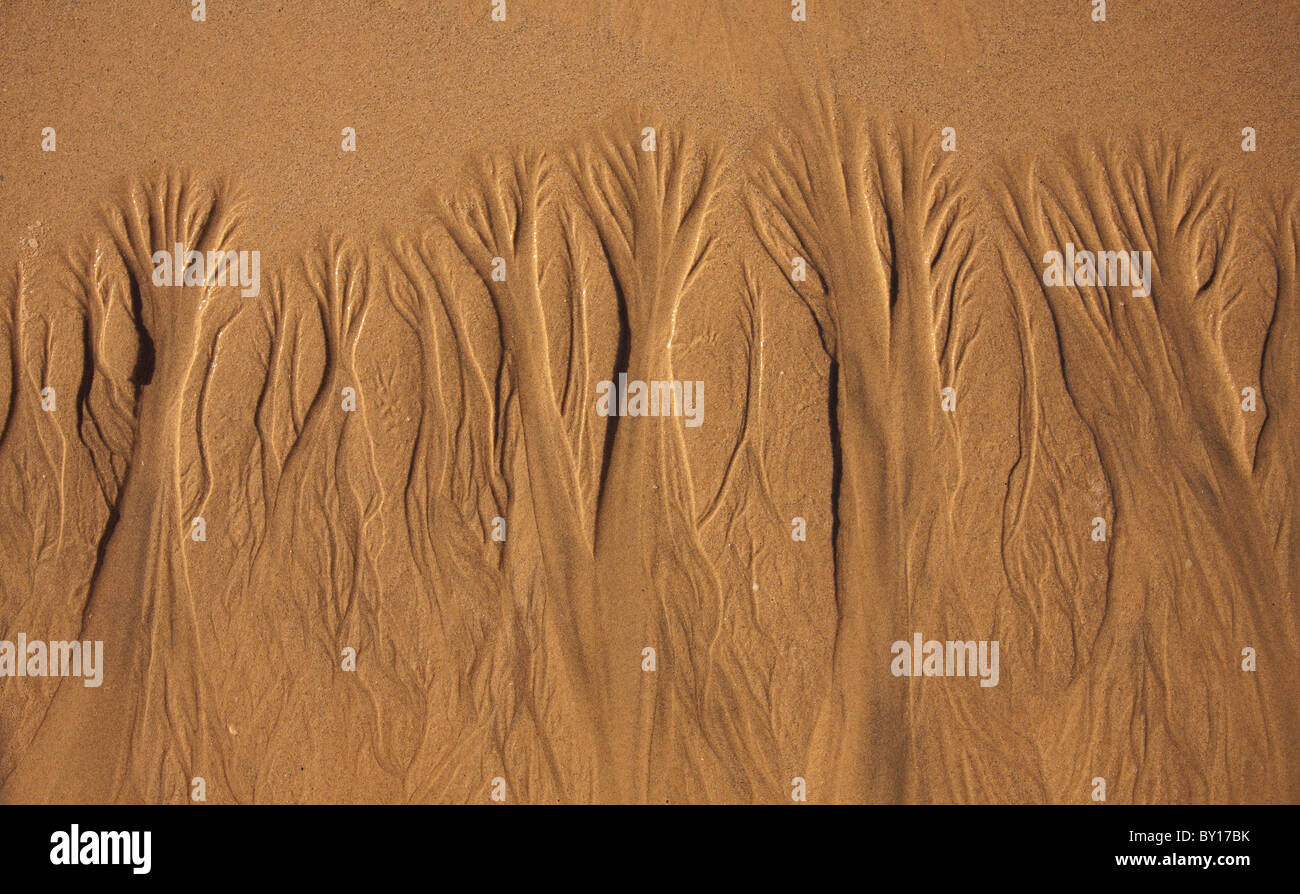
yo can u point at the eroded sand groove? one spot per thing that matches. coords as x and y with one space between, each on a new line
413 396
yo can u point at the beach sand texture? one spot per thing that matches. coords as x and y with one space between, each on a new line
689 401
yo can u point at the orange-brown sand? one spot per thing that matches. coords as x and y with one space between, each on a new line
682 401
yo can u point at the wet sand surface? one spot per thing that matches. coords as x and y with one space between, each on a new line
722 401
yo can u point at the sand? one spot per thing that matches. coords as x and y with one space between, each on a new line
669 402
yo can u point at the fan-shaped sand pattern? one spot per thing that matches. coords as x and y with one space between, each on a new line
369 528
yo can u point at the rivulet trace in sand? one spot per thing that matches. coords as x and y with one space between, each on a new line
624 402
